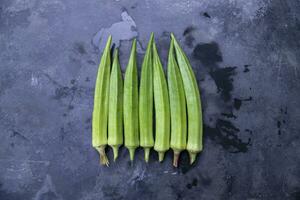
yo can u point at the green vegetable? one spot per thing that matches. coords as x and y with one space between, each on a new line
195 124
131 104
99 123
177 105
146 101
162 107
115 111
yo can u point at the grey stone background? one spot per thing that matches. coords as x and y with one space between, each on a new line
246 56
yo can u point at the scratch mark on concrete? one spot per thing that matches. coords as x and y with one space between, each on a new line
16 134
47 191
138 175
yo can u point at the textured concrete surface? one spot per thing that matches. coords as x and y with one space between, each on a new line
246 55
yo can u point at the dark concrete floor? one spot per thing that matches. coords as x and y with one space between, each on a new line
246 56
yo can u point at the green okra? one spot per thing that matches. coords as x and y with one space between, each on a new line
177 107
130 105
162 107
115 109
195 124
100 112
146 101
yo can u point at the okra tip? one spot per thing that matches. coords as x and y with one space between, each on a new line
102 154
116 53
161 155
109 39
176 158
115 151
192 157
147 153
131 152
173 39
172 36
134 43
151 37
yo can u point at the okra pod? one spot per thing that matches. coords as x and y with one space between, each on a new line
99 123
177 107
131 104
162 107
146 101
115 110
195 124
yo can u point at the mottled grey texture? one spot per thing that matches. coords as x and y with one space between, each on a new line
246 56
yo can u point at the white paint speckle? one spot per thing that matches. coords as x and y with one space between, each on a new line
34 80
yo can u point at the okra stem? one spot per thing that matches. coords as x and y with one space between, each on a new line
147 153
176 157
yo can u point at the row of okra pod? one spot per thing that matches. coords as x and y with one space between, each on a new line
123 110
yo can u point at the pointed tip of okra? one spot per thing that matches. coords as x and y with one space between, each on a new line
134 43
133 48
176 158
173 39
150 42
108 43
172 36
151 37
109 39
116 56
161 155
116 52
172 43
171 50
154 48
103 157
131 153
147 153
115 152
192 157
